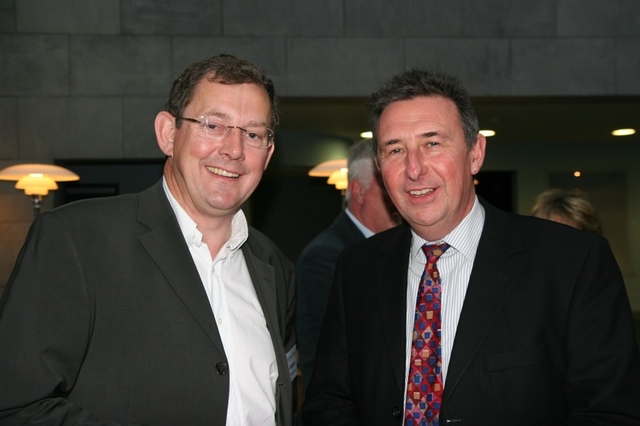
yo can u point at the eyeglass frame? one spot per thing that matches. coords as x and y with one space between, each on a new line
203 123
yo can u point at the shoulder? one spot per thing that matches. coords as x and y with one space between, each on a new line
109 214
92 213
333 239
515 230
108 206
386 243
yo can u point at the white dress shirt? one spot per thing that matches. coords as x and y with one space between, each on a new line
241 323
454 267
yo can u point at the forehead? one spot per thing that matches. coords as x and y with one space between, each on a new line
423 109
246 97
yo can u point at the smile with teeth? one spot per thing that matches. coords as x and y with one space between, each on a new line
421 192
220 172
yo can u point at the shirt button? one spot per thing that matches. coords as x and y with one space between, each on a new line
222 368
219 320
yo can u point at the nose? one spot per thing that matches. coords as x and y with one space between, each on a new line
414 166
232 144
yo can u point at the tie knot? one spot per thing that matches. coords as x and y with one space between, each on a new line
434 251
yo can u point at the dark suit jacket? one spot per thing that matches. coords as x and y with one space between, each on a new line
545 335
105 319
314 275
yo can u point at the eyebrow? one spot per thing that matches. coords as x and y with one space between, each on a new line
432 134
225 116
424 135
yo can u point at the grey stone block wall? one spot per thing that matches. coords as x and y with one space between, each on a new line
85 78
89 59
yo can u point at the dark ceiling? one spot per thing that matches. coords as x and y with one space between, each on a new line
566 119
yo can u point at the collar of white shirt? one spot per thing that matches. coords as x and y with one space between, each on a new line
239 226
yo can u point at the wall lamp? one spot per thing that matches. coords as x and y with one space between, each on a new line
334 170
36 180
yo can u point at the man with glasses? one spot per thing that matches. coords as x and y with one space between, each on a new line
162 307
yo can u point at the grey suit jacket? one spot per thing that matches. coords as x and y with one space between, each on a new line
545 335
105 320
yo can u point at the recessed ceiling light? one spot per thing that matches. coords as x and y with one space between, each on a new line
623 132
487 133
366 135
577 173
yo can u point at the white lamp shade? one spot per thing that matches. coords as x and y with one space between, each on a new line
325 169
57 173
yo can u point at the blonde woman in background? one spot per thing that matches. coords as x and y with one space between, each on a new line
570 207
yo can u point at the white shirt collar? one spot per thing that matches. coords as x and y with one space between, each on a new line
190 231
366 231
464 238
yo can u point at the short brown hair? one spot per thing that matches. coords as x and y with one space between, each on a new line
224 69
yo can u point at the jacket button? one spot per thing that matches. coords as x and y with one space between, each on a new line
222 368
396 413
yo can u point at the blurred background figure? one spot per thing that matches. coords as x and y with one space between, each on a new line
571 207
369 211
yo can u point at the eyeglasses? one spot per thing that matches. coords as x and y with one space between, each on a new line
211 127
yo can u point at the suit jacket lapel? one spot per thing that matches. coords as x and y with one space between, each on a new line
264 283
392 298
494 273
166 246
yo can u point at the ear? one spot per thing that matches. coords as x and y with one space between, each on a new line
477 153
165 132
269 154
357 191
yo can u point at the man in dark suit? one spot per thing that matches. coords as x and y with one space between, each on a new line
164 307
369 211
519 321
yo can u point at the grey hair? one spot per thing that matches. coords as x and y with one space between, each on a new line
361 164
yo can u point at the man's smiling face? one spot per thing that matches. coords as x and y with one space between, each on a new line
426 164
214 177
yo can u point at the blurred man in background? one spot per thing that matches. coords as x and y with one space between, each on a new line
369 211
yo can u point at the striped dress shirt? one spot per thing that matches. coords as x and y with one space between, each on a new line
455 269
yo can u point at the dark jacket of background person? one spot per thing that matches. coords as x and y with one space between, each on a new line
367 202
315 269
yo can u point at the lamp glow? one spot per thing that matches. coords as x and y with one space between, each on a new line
36 184
326 168
623 132
339 179
335 170
36 180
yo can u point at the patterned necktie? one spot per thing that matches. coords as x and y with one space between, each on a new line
425 387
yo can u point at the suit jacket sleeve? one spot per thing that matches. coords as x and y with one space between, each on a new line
314 275
602 383
44 330
330 398
545 334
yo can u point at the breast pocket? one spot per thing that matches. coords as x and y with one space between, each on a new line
520 358
523 383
